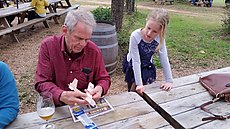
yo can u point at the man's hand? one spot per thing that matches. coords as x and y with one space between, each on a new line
140 89
73 97
166 86
96 92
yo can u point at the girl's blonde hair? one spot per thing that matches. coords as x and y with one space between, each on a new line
161 16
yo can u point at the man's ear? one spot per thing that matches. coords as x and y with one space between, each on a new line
64 29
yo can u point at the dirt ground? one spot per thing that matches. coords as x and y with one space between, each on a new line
22 58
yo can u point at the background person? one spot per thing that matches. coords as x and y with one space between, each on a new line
72 55
144 42
40 10
4 4
9 102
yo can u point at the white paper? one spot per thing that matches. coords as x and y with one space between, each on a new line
89 98
103 107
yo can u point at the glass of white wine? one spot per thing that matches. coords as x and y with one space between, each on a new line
46 109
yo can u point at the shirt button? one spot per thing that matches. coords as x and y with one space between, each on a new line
71 72
69 58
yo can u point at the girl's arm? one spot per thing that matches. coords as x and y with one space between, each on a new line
163 55
134 55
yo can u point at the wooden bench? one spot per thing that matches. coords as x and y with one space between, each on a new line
5 31
33 22
17 27
164 1
67 3
27 23
170 1
62 12
199 3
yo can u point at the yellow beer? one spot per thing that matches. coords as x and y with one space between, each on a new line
46 113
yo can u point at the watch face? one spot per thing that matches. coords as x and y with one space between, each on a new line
227 85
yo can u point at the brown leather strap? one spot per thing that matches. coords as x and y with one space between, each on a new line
214 117
202 107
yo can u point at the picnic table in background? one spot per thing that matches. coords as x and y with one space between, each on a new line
164 1
180 106
23 8
202 3
8 11
227 3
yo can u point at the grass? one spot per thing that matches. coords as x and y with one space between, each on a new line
195 41
219 3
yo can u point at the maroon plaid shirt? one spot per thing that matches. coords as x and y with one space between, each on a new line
56 69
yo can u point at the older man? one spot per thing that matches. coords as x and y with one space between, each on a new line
72 55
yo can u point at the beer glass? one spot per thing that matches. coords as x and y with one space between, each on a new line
46 109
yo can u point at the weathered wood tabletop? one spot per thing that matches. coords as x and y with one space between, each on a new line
130 111
183 101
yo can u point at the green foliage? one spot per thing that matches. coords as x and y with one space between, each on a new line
226 21
102 14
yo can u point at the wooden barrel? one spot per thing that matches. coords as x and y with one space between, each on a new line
105 36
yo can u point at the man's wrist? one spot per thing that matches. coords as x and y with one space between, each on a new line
102 89
61 97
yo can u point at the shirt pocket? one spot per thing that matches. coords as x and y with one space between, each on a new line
82 82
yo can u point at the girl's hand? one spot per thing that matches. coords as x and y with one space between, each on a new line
166 86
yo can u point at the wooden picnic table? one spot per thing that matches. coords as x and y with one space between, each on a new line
180 106
9 11
12 10
130 111
23 8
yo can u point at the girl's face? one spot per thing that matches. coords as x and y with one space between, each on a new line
151 30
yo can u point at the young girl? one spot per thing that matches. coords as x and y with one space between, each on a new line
144 42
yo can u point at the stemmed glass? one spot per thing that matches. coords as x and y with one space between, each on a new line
46 109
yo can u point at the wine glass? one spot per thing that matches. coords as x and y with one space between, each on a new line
46 109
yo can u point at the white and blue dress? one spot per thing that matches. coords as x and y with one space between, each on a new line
138 65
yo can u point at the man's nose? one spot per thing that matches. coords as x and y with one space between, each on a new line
82 41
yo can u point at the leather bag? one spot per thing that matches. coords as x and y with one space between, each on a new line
218 85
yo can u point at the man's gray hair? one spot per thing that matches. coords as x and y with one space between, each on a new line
81 15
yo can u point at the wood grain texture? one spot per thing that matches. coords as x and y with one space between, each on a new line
131 111
183 102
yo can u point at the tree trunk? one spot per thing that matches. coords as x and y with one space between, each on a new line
117 7
130 6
